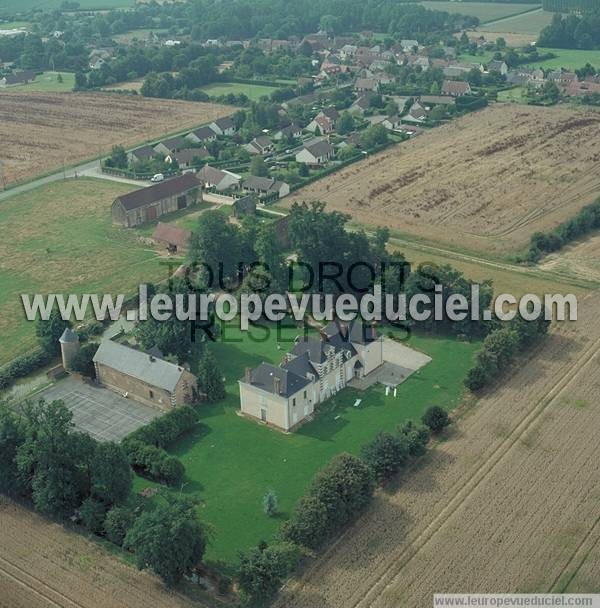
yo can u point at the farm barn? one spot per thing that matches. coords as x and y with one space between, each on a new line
143 377
148 204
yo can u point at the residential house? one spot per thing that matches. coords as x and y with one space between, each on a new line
348 51
409 46
366 84
419 62
362 104
144 377
188 157
526 77
223 126
265 186
579 89
456 88
315 153
562 78
416 114
141 154
293 131
392 123
173 144
148 204
175 239
498 66
17 78
314 370
218 178
321 123
458 70
259 145
203 135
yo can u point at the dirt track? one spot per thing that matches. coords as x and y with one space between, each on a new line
486 181
510 502
44 566
44 131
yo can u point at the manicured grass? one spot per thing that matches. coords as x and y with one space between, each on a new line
60 239
48 82
569 59
529 23
233 461
252 91
518 94
13 25
484 11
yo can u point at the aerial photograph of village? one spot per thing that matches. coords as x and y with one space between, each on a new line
299 303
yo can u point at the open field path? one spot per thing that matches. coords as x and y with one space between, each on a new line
507 503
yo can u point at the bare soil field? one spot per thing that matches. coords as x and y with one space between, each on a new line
43 565
45 131
509 502
484 182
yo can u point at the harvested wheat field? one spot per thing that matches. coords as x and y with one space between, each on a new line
581 259
510 502
484 182
42 565
44 131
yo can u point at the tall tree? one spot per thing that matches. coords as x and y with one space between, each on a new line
49 331
170 540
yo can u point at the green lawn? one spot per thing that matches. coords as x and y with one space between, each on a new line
232 462
59 239
13 25
570 59
253 91
48 82
484 11
517 95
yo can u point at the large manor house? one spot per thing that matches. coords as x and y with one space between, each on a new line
315 369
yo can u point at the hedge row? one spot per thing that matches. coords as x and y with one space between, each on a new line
22 366
154 463
542 243
163 431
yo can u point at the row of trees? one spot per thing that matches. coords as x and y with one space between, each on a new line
501 347
543 243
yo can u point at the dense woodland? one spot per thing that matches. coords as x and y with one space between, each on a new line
572 31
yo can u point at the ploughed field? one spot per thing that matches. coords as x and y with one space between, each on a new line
510 502
484 182
41 132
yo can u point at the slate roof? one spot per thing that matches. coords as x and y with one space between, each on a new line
174 143
68 336
204 133
264 375
144 153
357 331
319 148
157 192
224 123
139 365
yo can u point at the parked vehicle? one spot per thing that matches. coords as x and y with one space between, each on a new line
158 177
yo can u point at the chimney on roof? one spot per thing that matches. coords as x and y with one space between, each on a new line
276 385
344 330
323 335
248 374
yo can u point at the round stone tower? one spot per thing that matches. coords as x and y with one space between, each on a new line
69 347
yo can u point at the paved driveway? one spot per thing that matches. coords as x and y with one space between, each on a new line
105 415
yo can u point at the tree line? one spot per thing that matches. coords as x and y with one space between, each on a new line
572 31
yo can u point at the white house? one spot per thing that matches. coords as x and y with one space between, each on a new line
218 178
315 153
223 126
